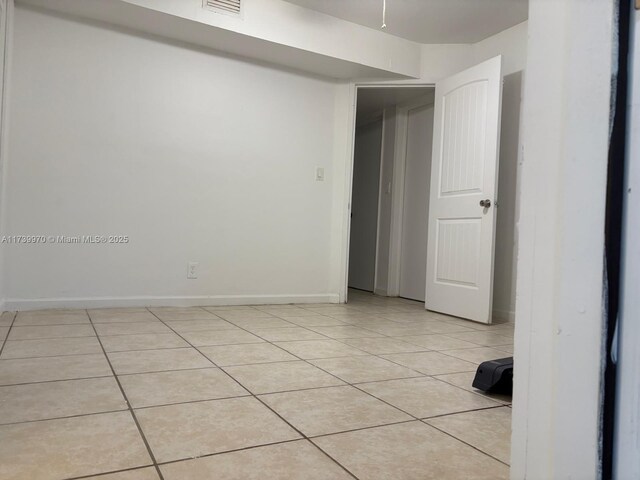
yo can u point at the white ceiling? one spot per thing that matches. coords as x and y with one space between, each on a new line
429 21
373 100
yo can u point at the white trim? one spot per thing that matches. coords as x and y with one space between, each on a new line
559 292
397 195
505 315
348 186
383 119
21 304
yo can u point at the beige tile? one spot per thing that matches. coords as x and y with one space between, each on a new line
382 345
444 327
6 318
187 315
504 348
39 401
410 451
331 410
333 310
29 370
27 318
105 329
261 323
4 331
143 341
163 388
245 354
431 363
146 361
437 342
285 311
220 337
298 460
233 315
50 331
315 321
477 355
465 380
279 377
487 430
309 349
51 347
115 310
221 308
363 369
190 430
426 397
148 473
122 317
487 339
71 447
347 331
183 326
288 334
399 330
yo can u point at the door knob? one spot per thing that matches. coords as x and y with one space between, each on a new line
485 203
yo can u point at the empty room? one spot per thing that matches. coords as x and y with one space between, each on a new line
319 239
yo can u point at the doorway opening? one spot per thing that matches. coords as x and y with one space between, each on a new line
430 230
392 151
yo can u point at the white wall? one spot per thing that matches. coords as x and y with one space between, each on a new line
194 156
559 324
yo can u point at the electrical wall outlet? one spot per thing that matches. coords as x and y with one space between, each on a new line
192 270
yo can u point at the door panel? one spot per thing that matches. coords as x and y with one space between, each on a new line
364 206
415 211
460 247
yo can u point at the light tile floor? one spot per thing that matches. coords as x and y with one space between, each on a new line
375 389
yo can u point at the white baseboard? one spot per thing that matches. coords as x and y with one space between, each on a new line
21 304
380 291
504 315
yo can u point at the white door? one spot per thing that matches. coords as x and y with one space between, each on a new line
462 209
415 210
364 206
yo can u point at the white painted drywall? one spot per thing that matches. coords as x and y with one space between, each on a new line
268 31
415 211
194 156
364 205
559 324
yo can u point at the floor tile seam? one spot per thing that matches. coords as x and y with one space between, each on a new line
259 400
130 409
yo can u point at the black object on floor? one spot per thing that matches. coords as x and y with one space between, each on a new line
495 376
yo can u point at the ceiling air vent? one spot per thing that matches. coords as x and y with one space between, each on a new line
230 7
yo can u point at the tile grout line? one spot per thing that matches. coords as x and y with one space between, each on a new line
379 399
130 408
498 405
4 341
255 396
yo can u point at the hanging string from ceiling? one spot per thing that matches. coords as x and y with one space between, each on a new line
384 14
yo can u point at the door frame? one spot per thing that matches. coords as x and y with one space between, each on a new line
398 190
346 207
377 117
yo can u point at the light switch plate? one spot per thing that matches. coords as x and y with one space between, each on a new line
319 174
192 270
